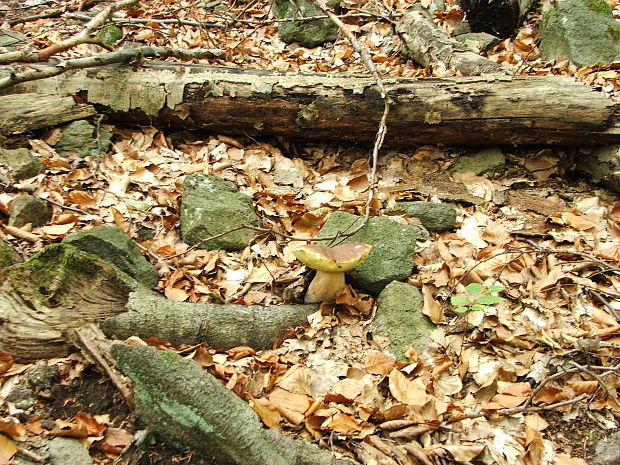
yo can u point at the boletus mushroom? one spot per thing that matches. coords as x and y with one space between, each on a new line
330 264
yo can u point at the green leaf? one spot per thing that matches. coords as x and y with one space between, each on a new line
473 288
494 289
489 299
460 300
478 307
461 309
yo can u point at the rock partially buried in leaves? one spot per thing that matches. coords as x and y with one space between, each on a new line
115 246
434 216
602 164
309 33
210 206
393 246
399 318
22 163
26 209
490 160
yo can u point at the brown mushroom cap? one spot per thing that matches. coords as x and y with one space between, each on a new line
343 257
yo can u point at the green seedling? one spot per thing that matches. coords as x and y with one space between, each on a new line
478 298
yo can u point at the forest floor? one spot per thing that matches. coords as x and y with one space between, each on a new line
531 380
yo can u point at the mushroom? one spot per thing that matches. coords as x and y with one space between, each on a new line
330 264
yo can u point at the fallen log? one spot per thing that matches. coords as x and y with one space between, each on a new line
60 289
492 109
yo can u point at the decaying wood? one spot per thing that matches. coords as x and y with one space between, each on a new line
429 45
493 109
97 349
60 289
28 112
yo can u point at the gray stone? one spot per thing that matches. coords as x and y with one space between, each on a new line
582 31
306 33
434 216
26 209
21 397
68 451
41 376
110 34
10 38
22 163
607 451
391 258
79 138
478 41
210 206
490 160
113 245
400 319
602 165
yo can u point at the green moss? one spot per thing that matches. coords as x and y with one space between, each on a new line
47 275
6 256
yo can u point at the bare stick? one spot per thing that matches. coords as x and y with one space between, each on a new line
120 56
98 21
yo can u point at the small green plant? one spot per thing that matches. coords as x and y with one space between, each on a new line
478 298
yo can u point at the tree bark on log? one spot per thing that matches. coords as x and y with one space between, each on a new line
429 45
222 326
63 288
186 404
493 109
28 112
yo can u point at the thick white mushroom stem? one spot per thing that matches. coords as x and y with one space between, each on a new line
326 285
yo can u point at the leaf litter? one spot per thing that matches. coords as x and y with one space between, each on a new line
497 383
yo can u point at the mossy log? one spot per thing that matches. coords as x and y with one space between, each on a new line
58 289
188 406
62 288
492 109
222 326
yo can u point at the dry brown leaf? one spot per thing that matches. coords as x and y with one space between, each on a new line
82 425
379 363
12 427
267 412
411 392
7 449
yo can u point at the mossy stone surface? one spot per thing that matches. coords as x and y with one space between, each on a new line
310 33
582 31
22 163
115 246
434 216
26 209
400 319
211 205
391 258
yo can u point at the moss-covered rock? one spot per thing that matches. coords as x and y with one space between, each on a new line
26 209
310 33
490 160
582 31
211 205
399 318
391 258
115 246
21 162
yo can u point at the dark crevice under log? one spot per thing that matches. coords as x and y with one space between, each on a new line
492 109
